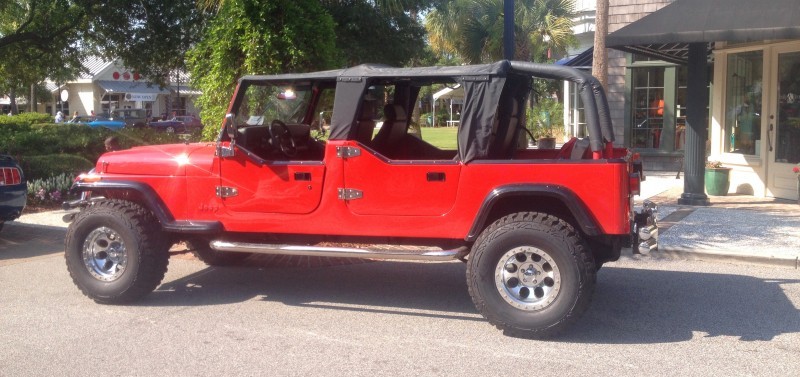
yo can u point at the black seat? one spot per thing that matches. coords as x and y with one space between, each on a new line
392 131
366 123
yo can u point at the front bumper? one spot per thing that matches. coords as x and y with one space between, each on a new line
645 229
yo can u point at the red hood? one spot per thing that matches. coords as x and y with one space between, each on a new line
159 160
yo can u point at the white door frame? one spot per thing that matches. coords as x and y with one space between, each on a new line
781 181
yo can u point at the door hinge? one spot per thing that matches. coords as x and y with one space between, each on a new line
226 192
350 194
347 152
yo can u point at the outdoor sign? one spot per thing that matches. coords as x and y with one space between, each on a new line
140 96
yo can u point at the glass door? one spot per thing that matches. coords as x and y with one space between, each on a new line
783 130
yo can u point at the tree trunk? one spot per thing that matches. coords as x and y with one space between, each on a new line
600 56
13 104
33 99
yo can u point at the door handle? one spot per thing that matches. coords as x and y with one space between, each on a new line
302 176
435 176
769 136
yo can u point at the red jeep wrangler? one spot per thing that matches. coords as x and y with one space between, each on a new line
533 225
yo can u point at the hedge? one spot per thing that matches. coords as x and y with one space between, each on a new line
51 165
49 149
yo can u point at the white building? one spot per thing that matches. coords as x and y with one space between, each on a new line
109 85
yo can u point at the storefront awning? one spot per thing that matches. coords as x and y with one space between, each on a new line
666 33
582 60
130 87
185 90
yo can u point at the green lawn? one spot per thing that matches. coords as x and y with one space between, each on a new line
440 137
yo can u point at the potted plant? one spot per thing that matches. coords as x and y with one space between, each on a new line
547 120
718 178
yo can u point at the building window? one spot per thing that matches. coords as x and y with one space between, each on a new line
63 107
109 103
743 102
577 117
648 107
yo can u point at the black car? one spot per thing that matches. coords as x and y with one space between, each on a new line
13 190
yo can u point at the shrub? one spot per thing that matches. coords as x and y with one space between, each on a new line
47 166
25 119
547 118
51 190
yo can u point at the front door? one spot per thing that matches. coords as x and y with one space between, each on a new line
270 186
783 129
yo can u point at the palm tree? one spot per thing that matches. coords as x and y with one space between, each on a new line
387 5
473 29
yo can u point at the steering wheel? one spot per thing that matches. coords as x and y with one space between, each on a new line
282 138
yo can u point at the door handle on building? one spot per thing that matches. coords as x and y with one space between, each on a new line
769 136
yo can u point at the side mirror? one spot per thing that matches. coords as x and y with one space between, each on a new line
230 127
230 130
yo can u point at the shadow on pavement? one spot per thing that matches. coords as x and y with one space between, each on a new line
630 306
21 241
417 289
634 306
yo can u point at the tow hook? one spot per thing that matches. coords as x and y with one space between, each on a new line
645 229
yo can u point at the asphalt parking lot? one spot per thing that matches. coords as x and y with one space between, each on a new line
650 315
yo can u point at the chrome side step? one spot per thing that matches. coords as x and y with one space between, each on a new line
339 252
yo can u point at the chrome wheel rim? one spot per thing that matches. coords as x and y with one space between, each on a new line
528 278
104 254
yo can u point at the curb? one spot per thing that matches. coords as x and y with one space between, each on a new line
730 257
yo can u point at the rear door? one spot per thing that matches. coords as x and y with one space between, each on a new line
380 186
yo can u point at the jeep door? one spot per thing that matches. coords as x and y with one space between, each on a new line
400 187
262 176
255 185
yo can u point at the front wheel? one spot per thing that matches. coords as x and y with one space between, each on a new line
115 251
530 274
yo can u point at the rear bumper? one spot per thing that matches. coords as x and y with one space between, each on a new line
645 229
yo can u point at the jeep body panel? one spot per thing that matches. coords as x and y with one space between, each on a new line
286 196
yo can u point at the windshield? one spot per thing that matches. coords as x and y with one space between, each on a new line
262 104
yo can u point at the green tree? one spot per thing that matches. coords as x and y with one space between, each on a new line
473 29
42 39
257 37
366 33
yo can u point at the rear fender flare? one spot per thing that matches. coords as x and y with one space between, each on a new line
588 225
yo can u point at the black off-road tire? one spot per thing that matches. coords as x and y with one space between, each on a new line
97 240
203 251
520 239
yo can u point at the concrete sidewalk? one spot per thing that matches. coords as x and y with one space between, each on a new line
733 228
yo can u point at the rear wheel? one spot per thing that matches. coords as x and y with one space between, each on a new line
530 274
115 251
170 130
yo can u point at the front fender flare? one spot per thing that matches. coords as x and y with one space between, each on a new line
586 222
151 200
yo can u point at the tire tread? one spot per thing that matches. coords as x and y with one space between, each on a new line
152 244
554 227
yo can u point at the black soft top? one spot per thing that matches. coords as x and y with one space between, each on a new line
485 85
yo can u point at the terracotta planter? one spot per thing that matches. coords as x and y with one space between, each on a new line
547 143
718 181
